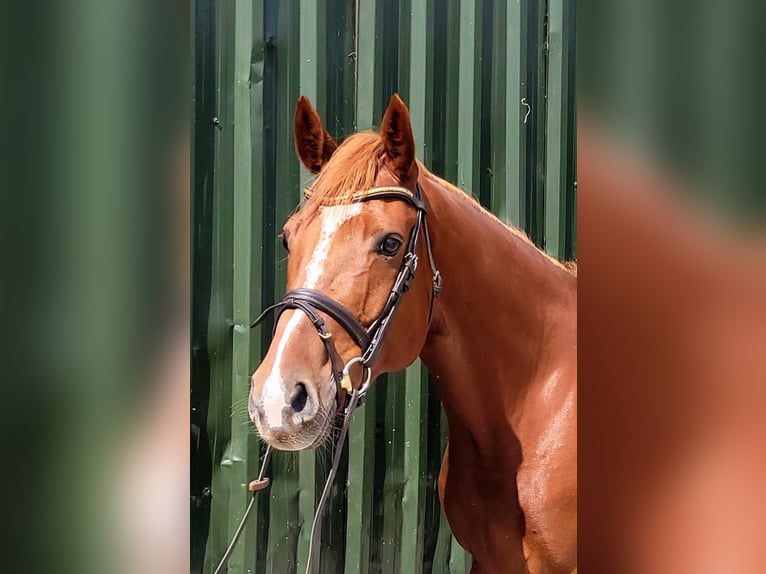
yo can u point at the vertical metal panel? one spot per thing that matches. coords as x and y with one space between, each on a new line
556 115
418 46
283 526
258 262
338 114
493 111
246 224
309 80
366 64
361 458
511 206
534 78
414 450
498 136
389 453
361 469
201 224
219 341
283 73
467 129
443 547
451 91
559 116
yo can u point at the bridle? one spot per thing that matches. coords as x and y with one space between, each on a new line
369 340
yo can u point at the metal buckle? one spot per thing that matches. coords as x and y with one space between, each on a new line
410 267
437 283
346 384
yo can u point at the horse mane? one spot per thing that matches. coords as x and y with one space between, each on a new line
354 167
569 266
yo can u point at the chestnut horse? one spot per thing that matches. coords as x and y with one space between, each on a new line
500 340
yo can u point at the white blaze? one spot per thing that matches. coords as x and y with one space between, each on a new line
274 389
332 218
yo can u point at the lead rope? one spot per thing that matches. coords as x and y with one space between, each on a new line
241 527
262 482
355 396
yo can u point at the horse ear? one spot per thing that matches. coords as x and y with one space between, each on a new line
396 132
312 142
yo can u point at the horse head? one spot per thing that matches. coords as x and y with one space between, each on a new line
350 251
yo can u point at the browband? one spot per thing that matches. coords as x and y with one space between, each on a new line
380 192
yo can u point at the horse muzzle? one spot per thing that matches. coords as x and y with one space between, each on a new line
292 415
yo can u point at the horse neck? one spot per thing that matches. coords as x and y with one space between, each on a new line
502 321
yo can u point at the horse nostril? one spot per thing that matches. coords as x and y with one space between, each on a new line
299 398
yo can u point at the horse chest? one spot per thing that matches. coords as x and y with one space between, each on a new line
482 508
547 483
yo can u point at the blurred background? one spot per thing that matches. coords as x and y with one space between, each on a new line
672 287
680 84
95 225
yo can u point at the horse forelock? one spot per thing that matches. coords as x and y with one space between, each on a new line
353 167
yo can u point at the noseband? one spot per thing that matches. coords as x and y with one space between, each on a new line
369 340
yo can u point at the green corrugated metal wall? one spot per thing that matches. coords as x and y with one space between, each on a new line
490 90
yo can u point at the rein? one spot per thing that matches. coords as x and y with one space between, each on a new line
369 340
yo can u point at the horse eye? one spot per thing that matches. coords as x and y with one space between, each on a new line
389 246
